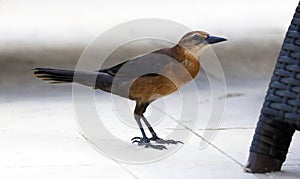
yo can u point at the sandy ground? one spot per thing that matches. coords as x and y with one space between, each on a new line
40 137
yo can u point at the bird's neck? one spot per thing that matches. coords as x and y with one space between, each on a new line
187 59
183 56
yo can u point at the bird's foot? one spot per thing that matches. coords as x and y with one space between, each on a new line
155 138
146 142
162 141
140 140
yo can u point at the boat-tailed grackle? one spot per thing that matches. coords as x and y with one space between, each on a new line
144 78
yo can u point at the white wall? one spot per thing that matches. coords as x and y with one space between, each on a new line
71 22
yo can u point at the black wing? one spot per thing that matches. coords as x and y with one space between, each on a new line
150 64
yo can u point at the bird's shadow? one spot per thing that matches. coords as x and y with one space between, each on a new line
160 144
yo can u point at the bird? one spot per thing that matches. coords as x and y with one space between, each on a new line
144 78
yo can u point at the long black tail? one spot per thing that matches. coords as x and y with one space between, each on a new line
94 79
54 75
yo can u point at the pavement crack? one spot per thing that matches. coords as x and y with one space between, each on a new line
228 128
117 162
215 129
126 169
208 142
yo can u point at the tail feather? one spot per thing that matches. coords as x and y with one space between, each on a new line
54 75
48 77
93 79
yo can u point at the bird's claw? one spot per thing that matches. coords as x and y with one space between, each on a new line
162 141
140 140
146 142
134 138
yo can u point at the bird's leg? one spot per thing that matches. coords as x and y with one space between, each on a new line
140 108
143 139
138 114
154 135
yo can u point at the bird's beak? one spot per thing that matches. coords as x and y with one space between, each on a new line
214 39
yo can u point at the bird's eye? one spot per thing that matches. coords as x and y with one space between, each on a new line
196 37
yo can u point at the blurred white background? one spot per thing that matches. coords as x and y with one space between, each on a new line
76 22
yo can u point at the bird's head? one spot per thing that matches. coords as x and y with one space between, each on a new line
197 42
